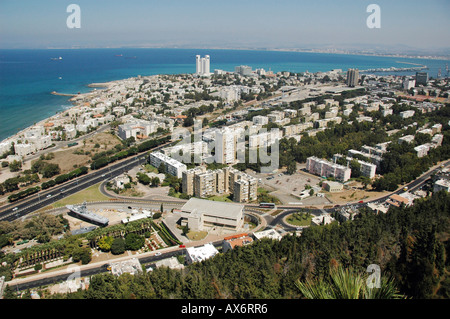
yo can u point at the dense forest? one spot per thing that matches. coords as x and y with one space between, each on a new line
409 244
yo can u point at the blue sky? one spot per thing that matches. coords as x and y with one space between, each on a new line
230 23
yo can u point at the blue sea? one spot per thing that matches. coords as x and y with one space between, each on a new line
27 77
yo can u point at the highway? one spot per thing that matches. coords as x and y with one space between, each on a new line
44 198
55 277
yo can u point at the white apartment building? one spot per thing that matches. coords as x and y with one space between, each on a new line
264 139
5 147
202 65
173 167
326 168
139 128
422 150
407 114
226 141
366 169
24 149
260 120
275 116
296 128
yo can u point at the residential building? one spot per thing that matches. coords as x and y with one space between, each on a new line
172 166
422 150
188 179
231 242
204 183
407 114
408 83
325 168
352 77
244 70
421 78
260 120
202 66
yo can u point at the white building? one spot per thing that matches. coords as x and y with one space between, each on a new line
325 168
260 120
173 167
201 214
421 150
269 233
264 139
199 254
226 145
407 114
202 65
24 149
408 83
441 184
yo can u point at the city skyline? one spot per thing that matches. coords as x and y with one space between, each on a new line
325 24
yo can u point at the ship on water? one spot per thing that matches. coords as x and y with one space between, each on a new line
55 59
81 212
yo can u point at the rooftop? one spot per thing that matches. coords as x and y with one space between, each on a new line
221 209
201 253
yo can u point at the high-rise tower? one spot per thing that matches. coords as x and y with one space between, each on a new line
202 65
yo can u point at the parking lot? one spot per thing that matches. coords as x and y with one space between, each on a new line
288 188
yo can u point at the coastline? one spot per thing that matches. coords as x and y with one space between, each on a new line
73 99
98 86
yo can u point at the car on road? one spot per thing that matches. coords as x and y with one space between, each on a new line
103 175
49 195
361 202
158 254
182 246
15 208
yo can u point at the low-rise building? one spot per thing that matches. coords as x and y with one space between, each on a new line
332 187
200 214
441 184
269 233
231 242
131 266
199 254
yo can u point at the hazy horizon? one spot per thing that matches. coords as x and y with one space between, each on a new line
411 26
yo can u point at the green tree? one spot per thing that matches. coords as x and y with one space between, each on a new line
105 243
15 166
50 170
118 246
134 241
82 254
346 283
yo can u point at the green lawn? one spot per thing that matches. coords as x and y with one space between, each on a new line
300 219
91 194
223 198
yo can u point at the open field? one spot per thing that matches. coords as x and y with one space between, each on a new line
80 155
353 195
